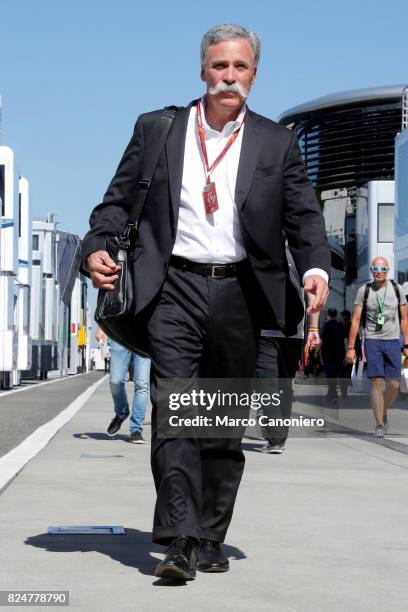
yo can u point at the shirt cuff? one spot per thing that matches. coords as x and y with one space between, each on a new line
317 271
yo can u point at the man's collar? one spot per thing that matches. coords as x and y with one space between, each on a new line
376 286
230 125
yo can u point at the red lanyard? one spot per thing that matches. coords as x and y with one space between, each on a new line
231 140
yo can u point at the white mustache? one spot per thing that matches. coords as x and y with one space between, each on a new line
222 87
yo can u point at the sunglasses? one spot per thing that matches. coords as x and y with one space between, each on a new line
379 268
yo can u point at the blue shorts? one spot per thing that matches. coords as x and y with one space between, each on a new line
383 358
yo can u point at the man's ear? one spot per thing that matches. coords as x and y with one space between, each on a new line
202 75
254 77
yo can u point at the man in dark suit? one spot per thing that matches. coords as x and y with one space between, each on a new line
210 271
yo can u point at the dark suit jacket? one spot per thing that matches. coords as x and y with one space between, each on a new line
273 194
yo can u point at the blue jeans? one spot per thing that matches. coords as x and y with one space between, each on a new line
119 365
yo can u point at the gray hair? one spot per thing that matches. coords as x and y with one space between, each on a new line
226 32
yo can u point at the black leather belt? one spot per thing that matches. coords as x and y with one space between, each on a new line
212 270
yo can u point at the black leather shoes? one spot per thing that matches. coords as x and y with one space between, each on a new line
114 426
180 560
211 558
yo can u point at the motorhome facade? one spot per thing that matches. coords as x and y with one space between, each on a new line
347 141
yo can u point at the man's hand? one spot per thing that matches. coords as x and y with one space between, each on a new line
350 356
102 270
317 290
100 336
313 339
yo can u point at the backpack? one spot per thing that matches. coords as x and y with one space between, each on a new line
365 298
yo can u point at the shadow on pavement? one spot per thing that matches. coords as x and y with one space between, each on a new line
333 430
133 549
253 446
98 435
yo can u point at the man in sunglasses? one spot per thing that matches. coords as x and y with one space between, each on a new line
380 308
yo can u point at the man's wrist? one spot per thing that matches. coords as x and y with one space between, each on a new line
351 348
318 272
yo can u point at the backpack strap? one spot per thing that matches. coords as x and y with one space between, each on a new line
364 310
397 293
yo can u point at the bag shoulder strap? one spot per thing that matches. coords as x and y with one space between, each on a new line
397 293
364 310
143 185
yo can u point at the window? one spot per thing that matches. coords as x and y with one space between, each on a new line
385 223
402 271
35 242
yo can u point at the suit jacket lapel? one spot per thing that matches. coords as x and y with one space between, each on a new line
250 150
175 146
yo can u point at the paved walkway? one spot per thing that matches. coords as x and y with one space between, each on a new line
20 411
321 527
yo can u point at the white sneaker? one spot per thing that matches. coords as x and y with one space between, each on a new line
273 449
379 431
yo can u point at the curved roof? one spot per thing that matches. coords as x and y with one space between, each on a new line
342 98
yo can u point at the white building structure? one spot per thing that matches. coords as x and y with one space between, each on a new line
23 282
44 299
59 307
401 208
9 197
44 313
360 227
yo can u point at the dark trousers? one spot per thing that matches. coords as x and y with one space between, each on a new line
277 362
345 377
200 327
333 369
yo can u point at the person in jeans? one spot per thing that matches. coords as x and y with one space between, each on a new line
120 361
384 319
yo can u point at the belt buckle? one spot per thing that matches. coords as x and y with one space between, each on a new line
214 274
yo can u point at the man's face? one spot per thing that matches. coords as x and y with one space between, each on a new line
229 61
379 262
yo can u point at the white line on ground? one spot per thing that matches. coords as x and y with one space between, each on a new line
16 459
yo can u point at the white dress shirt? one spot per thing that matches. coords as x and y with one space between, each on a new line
215 238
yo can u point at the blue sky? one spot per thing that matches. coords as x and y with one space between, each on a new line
74 76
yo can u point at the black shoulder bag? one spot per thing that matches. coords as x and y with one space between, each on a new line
114 309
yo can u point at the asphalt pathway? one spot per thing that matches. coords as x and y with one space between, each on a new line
34 404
